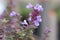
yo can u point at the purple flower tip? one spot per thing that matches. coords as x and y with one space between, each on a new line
29 6
38 7
13 13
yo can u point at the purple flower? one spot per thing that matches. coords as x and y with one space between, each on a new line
34 16
39 19
38 7
29 6
36 23
29 19
13 13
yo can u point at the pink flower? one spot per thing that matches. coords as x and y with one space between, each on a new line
36 22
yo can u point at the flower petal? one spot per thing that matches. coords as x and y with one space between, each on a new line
29 6
13 13
39 19
36 23
38 7
29 19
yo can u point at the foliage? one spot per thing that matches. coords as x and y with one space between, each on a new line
58 12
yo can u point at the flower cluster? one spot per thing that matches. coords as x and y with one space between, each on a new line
24 28
36 7
35 16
